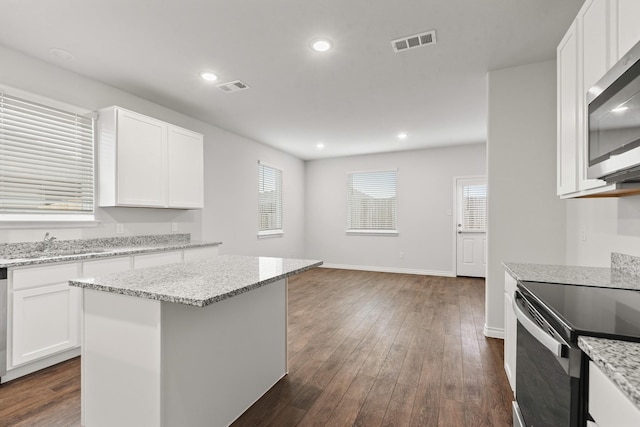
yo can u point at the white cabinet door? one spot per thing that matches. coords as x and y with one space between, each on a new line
186 169
626 18
45 321
596 59
608 406
200 253
510 331
141 160
568 131
154 260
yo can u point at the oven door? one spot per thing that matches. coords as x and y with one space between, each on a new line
548 389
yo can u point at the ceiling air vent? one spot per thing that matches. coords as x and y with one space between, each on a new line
233 86
411 42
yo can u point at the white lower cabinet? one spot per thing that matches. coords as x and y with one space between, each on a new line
44 313
45 321
198 254
154 260
510 331
100 267
608 406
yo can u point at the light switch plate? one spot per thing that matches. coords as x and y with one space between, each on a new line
119 228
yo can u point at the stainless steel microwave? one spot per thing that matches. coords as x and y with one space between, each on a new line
614 122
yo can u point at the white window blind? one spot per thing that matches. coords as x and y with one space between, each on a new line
474 208
270 200
371 201
46 160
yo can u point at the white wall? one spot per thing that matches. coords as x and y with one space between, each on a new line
425 193
526 218
231 171
609 225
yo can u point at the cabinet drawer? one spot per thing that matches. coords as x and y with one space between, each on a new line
153 260
46 275
106 266
608 406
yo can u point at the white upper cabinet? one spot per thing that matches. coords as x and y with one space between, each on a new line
568 131
603 31
146 162
594 24
186 168
627 13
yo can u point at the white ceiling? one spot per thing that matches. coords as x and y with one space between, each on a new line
355 99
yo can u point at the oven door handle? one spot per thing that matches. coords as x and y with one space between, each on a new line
539 334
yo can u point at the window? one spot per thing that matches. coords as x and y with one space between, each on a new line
474 208
46 162
371 202
269 200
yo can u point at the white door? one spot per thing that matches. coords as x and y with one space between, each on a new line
471 229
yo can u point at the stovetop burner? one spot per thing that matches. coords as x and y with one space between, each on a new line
585 310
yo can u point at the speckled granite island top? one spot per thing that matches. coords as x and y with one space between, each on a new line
199 283
619 360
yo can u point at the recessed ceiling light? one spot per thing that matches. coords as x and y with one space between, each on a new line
619 109
320 146
403 135
62 54
208 76
321 44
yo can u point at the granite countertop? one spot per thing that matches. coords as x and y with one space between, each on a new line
573 275
29 253
199 283
619 360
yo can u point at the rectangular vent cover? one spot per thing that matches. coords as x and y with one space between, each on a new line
233 86
411 42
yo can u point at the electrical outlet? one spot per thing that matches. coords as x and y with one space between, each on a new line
583 233
174 227
119 228
449 212
401 255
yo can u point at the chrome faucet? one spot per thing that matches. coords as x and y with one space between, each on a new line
48 241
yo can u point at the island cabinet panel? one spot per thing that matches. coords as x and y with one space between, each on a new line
169 364
120 360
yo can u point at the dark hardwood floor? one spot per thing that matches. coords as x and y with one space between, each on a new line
365 349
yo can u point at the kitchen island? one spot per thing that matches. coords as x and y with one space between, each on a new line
184 344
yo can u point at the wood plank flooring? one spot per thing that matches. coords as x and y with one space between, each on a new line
378 349
365 349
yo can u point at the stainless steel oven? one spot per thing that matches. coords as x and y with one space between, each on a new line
549 390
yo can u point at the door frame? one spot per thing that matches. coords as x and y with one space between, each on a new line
454 217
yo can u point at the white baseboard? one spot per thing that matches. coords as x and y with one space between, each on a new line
390 269
493 332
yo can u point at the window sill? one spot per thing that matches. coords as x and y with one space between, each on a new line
6 224
390 233
269 234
